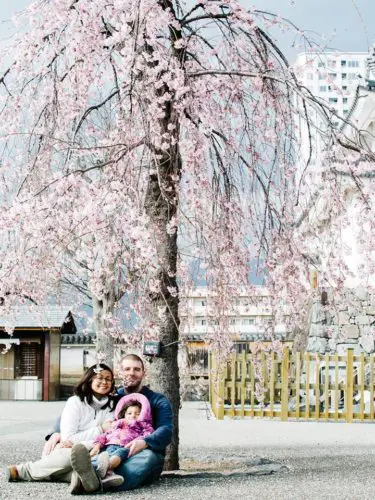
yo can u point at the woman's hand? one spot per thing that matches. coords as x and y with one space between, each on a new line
66 444
51 444
106 425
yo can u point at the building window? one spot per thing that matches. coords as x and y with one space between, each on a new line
332 63
323 88
346 111
200 322
310 76
333 100
353 64
344 100
332 75
320 64
343 63
322 76
343 76
344 87
200 302
28 360
248 321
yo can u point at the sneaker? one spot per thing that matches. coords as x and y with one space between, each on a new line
112 481
102 464
81 464
75 487
12 473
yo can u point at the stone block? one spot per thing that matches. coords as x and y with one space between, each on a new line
333 331
318 315
317 344
367 343
318 331
361 293
350 331
343 348
366 331
363 319
343 318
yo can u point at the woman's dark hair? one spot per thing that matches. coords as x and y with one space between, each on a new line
83 388
128 405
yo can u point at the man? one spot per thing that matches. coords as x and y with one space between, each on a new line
146 456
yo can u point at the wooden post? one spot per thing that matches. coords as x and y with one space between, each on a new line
243 382
307 385
46 362
272 383
210 379
284 384
372 387
327 399
298 382
220 395
349 386
362 400
337 386
317 386
233 382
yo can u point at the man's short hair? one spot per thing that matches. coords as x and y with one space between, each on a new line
134 357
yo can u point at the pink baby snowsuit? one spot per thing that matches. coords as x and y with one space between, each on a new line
121 433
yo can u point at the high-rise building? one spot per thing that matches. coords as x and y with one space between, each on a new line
332 76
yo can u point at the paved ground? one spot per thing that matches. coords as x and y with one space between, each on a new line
321 460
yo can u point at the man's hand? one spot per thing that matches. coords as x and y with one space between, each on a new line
136 446
51 444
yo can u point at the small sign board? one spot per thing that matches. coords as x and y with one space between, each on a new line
152 348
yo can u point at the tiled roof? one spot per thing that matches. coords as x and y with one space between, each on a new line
26 316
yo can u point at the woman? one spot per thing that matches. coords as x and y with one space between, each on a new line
86 415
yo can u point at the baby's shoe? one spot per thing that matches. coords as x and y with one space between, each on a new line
102 464
112 481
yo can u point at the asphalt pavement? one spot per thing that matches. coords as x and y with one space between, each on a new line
245 459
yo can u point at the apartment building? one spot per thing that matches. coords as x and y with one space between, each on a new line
249 318
333 78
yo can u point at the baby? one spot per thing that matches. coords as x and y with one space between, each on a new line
132 420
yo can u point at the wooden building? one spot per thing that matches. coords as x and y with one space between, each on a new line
30 357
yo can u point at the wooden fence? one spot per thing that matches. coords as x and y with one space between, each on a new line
298 386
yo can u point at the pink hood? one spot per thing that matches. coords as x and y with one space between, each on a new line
145 415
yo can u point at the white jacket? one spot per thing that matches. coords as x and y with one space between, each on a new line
81 422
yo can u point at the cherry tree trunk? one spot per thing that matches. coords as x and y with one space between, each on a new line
105 344
163 370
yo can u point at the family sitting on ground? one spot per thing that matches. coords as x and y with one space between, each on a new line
106 441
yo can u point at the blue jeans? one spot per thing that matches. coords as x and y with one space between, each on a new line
140 469
113 449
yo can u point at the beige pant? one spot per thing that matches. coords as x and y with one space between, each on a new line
54 467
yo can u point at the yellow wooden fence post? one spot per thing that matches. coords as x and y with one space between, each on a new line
212 384
220 387
284 384
349 386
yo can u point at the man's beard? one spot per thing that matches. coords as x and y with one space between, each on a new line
133 386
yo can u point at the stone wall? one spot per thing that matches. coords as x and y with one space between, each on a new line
347 321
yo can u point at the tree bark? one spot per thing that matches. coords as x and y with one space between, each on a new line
105 343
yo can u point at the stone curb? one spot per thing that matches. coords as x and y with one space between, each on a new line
257 470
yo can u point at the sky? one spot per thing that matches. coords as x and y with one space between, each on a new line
346 25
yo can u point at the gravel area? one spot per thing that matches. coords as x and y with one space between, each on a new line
311 460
